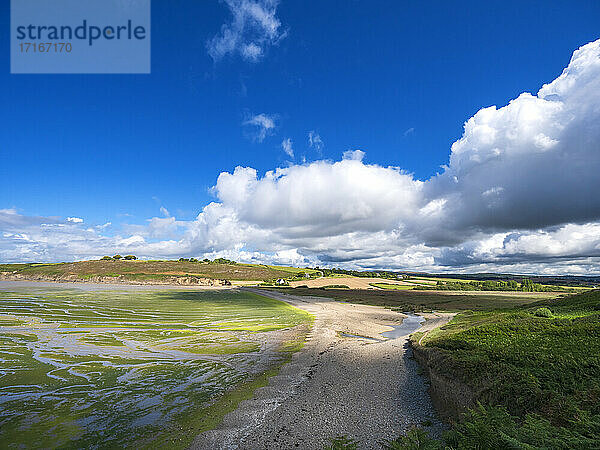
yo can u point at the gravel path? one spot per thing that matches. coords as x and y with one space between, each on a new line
366 388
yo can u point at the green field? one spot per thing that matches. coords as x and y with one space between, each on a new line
417 300
86 368
398 287
534 369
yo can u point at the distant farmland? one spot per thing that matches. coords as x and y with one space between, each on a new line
415 300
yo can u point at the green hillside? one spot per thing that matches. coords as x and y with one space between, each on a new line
148 271
534 370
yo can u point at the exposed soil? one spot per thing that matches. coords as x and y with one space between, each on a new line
351 282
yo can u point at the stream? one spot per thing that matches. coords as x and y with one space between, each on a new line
409 325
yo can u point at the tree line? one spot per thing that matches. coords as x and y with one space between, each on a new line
526 285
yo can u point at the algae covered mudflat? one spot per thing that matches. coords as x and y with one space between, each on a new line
101 368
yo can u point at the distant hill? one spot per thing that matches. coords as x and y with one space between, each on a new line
146 272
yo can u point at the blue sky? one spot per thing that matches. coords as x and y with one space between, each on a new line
396 80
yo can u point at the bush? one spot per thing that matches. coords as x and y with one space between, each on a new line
223 261
117 257
415 439
130 257
493 427
106 258
342 443
543 312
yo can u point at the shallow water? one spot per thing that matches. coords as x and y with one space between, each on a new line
409 325
99 368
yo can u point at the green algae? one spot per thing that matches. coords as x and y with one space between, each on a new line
124 368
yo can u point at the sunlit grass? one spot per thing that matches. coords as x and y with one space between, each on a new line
542 371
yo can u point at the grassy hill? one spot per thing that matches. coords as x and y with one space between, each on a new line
530 374
147 271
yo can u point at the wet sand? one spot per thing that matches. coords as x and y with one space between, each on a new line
348 380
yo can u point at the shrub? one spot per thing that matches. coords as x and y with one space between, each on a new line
130 257
223 261
493 427
415 439
106 258
117 257
543 312
342 443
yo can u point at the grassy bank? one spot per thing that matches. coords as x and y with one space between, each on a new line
534 371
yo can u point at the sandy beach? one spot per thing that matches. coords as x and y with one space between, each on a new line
347 380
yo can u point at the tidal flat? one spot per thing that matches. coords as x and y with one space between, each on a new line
101 368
